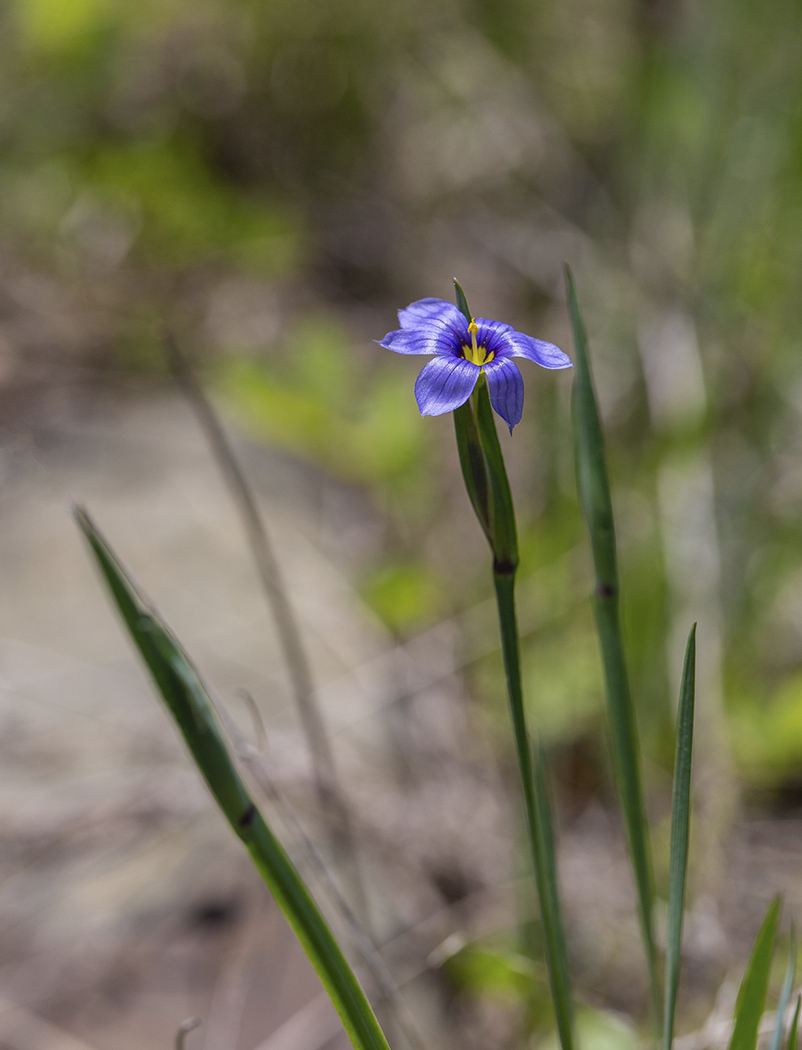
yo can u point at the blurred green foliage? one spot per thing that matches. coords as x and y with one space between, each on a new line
405 595
601 1030
312 400
496 972
278 177
486 970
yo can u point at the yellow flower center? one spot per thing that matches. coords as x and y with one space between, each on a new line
477 355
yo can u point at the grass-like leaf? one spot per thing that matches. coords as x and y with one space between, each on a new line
504 537
483 467
793 1034
594 497
474 466
680 827
754 986
462 302
190 705
785 994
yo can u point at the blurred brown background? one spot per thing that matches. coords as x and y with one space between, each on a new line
271 180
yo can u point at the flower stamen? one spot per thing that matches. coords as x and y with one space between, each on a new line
477 355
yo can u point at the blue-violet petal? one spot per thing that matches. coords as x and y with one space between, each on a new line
506 390
444 384
546 354
411 341
423 311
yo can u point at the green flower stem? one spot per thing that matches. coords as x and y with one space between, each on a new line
531 762
489 491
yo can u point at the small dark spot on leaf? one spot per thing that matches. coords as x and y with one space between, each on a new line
247 817
605 590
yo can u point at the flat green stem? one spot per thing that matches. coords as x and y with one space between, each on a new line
488 488
538 814
627 767
680 835
594 495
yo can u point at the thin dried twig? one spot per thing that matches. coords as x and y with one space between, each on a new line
332 797
22 1029
227 1003
362 942
313 1026
184 1029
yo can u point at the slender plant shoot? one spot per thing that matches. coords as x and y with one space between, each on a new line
189 703
793 1034
597 507
785 994
680 831
755 984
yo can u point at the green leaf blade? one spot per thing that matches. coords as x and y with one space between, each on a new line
462 302
754 986
474 466
591 464
793 1034
680 830
190 705
504 535
596 502
785 994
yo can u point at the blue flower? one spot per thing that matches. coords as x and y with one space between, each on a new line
462 352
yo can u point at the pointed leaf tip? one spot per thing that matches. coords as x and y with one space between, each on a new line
793 1033
785 994
754 986
462 302
680 827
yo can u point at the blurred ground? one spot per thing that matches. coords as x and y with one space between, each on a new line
125 898
127 905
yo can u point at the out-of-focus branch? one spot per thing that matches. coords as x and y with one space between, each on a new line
25 1030
184 1029
362 942
331 795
